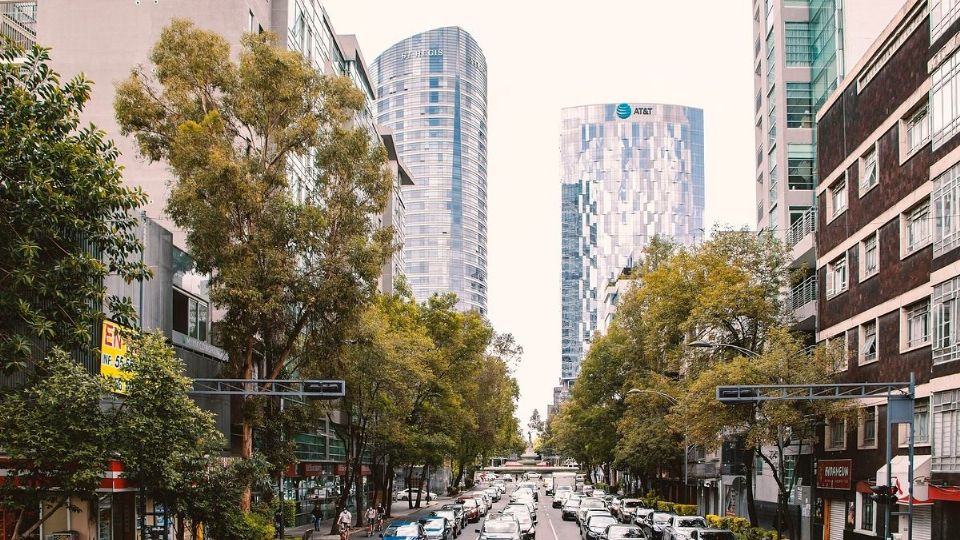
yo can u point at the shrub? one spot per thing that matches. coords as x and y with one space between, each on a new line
289 513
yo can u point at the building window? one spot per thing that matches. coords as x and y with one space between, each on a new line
944 105
190 316
869 256
836 437
868 342
942 14
946 195
921 426
837 276
946 431
945 336
916 228
838 198
916 324
868 428
801 166
869 171
799 105
866 512
797 40
917 130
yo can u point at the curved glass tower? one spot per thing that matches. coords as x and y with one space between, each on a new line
432 92
630 171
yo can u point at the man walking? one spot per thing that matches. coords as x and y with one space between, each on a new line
317 516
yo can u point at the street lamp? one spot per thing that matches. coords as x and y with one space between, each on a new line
686 447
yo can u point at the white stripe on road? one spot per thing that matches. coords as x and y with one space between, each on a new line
550 521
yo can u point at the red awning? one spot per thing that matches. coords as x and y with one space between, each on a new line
916 502
864 487
948 493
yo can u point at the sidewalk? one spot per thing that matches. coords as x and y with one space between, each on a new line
398 510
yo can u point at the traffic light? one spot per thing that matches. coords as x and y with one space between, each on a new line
884 494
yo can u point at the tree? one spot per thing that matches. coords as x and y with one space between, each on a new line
293 259
68 220
535 424
57 440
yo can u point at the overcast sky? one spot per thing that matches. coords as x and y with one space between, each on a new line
543 56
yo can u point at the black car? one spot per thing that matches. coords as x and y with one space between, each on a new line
654 524
594 526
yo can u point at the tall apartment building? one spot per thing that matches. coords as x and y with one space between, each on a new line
802 49
888 246
630 171
105 39
432 93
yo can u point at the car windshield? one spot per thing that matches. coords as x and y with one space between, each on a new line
434 525
717 535
573 502
523 518
691 522
631 504
661 518
501 526
592 503
602 521
402 530
623 532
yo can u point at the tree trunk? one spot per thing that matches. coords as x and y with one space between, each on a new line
456 481
181 526
358 491
409 485
246 428
388 493
748 480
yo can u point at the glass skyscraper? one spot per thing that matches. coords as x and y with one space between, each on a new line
432 92
630 171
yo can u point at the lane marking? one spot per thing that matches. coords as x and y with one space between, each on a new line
550 521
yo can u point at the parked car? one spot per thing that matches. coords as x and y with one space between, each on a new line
655 523
482 501
622 532
500 528
471 507
595 525
459 511
456 525
437 528
569 509
628 508
641 513
404 530
411 494
679 527
712 534
589 504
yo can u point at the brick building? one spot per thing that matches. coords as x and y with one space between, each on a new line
888 268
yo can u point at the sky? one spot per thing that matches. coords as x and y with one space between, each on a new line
543 56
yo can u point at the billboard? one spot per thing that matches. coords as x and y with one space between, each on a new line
114 364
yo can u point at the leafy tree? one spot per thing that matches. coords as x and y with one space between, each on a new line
293 260
68 220
57 439
535 424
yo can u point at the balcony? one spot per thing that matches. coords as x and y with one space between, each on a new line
802 227
18 22
803 293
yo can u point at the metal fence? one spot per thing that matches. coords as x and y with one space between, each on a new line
18 23
803 292
802 227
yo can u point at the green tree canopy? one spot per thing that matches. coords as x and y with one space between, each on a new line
68 220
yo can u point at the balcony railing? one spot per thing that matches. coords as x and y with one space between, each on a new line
802 227
18 23
803 292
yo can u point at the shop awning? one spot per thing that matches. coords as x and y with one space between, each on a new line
945 493
899 468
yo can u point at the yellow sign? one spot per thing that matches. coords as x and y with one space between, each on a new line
114 363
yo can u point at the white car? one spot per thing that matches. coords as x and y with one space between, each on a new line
589 503
411 494
681 527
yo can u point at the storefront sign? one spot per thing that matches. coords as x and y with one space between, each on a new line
342 469
114 364
834 473
311 468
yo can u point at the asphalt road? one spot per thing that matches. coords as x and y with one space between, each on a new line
550 525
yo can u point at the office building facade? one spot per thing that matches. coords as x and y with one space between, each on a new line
432 94
630 171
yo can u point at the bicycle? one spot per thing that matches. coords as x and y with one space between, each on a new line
344 532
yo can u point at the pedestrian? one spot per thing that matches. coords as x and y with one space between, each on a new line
317 516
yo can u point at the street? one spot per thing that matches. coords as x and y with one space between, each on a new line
550 525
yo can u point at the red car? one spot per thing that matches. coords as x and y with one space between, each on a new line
471 508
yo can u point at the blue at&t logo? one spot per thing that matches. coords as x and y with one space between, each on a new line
624 110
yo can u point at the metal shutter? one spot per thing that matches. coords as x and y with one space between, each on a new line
838 518
922 522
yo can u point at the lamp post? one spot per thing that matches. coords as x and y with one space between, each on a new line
686 447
